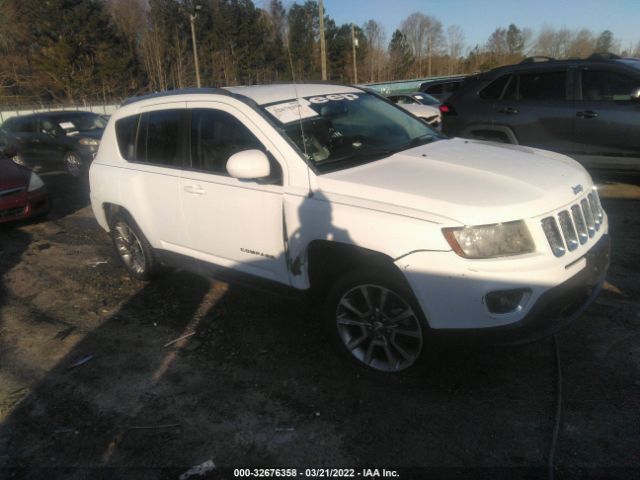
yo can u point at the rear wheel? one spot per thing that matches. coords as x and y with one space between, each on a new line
132 247
73 163
376 322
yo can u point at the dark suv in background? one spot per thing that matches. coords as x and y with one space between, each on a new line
588 109
442 88
48 139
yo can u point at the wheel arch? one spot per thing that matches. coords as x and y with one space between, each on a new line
329 259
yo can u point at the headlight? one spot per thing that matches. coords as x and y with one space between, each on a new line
35 182
90 142
486 241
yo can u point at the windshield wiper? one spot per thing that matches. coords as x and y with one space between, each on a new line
421 140
359 156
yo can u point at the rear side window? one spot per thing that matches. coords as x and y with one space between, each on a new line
160 138
543 86
607 86
126 130
439 88
25 125
494 90
215 136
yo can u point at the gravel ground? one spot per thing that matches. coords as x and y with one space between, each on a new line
259 385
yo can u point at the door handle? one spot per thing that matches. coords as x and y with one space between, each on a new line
195 189
587 114
508 110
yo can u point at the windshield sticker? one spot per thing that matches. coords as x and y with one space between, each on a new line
335 96
291 111
67 125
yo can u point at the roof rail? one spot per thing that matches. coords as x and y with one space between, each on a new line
537 59
180 91
603 56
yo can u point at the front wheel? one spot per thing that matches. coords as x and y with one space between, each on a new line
73 163
376 321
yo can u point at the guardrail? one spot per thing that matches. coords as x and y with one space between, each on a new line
6 113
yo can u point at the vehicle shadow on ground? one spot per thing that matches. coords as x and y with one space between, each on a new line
189 369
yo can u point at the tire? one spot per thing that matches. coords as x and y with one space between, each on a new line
132 247
375 321
73 163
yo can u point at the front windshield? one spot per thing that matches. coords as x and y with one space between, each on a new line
425 99
342 130
81 122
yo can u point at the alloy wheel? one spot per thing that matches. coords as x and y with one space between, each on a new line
73 163
379 328
129 247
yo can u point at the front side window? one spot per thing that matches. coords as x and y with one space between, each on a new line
215 136
160 138
542 86
600 85
80 122
337 131
25 125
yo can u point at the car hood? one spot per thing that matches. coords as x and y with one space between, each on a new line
469 182
422 110
11 175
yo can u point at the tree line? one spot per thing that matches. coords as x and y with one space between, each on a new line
101 50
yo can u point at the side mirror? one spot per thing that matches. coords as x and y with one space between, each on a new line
249 165
635 95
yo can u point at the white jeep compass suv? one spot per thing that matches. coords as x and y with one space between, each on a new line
330 189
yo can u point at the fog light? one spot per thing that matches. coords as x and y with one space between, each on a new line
507 301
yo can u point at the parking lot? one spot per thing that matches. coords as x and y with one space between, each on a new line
88 377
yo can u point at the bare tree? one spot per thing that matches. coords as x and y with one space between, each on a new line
455 46
376 53
425 36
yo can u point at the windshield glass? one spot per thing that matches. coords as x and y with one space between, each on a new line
80 122
342 130
425 99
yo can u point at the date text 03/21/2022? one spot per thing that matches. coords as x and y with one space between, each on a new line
316 472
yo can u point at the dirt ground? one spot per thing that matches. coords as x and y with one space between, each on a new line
259 385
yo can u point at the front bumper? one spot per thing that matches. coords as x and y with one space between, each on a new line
452 291
25 205
554 309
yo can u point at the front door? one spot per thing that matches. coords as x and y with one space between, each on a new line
231 223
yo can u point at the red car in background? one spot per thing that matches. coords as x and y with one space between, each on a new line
23 194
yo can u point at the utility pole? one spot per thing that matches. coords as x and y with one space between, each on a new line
354 44
323 51
192 19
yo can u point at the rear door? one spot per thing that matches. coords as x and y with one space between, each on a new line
607 119
24 132
49 146
537 107
232 223
150 182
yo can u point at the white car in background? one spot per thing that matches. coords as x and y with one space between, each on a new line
421 105
402 234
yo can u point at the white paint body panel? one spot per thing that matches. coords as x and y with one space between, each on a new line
396 206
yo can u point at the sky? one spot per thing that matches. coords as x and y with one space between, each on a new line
479 18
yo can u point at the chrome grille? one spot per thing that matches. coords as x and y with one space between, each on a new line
576 225
11 212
